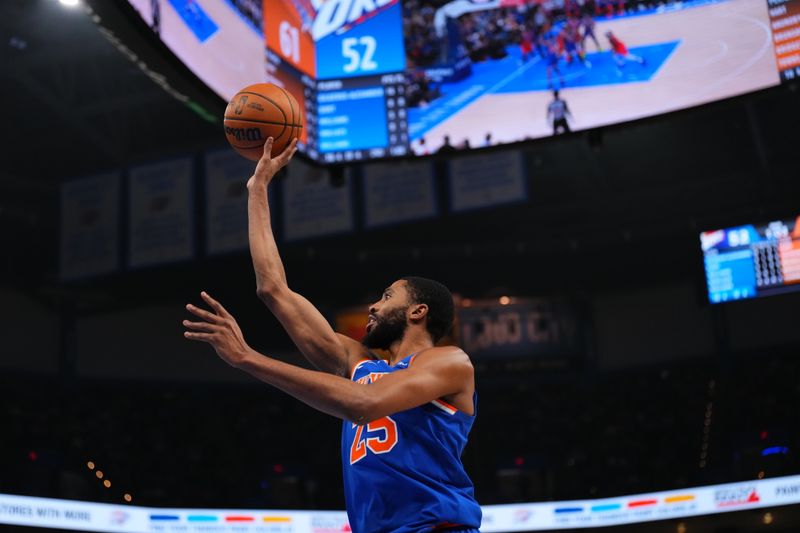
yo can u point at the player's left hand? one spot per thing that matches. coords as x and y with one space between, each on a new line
219 329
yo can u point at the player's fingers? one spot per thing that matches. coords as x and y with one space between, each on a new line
202 313
196 336
215 305
268 147
200 326
287 153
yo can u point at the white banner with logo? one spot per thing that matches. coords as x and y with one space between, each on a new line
90 226
398 192
312 206
486 180
226 201
638 508
160 215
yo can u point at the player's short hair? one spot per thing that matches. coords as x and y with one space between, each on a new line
439 301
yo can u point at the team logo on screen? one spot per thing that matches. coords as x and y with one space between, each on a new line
736 496
338 16
710 239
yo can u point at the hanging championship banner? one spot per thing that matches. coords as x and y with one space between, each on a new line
89 226
226 201
160 224
312 206
486 180
398 192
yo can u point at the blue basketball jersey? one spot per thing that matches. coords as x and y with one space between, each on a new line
403 472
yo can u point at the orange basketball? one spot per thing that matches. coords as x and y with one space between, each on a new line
259 111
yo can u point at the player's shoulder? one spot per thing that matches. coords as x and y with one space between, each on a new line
445 355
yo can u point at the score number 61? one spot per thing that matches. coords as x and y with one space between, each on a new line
351 50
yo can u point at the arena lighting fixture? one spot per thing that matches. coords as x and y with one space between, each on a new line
90 465
69 3
127 497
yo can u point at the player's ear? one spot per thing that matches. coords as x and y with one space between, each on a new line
418 311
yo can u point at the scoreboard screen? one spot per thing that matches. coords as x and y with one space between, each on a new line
354 51
785 21
386 78
749 261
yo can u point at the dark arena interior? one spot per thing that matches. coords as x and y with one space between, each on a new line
615 373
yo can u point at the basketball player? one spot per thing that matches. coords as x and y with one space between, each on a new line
526 46
406 418
587 21
571 37
621 53
557 112
553 54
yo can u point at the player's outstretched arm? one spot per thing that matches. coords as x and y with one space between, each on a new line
436 372
309 330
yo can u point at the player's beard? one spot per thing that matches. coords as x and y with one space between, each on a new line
386 330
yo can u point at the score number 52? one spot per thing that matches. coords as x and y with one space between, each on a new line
359 52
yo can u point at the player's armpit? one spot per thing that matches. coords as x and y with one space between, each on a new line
435 373
312 334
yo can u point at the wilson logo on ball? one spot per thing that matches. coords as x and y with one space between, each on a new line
244 134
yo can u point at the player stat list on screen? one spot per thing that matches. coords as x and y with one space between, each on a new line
749 261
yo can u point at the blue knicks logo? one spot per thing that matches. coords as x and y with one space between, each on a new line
340 15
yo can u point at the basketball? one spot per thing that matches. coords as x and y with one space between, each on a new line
257 112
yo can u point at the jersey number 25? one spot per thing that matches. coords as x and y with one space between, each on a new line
377 444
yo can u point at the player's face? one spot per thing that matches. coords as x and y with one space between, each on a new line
387 317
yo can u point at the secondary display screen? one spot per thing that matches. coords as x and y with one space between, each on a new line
749 261
382 78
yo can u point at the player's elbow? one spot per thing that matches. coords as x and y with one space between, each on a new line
362 408
269 293
265 293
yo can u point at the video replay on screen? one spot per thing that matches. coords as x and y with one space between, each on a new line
382 78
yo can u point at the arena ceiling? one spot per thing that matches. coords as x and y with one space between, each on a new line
76 100
75 105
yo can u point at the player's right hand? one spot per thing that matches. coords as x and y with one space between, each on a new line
219 329
268 166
